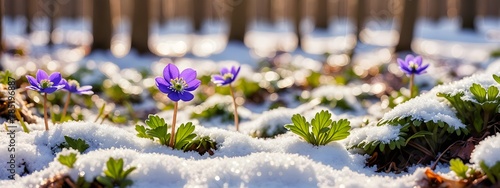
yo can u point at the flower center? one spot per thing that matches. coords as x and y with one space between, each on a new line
45 83
413 65
178 85
227 76
74 83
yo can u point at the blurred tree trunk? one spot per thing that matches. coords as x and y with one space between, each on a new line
298 18
161 15
436 9
29 12
407 18
238 19
102 27
53 13
198 14
361 12
468 12
322 14
140 26
1 29
75 5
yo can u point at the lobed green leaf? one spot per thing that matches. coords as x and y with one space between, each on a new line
496 78
460 169
67 160
155 121
184 135
479 92
79 144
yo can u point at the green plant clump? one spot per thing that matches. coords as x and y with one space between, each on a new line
322 129
67 160
77 144
115 175
185 138
418 142
476 114
493 173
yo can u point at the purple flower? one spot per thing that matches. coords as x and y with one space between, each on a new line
226 76
412 65
45 83
177 86
73 86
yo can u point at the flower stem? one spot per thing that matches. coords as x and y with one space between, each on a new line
412 77
174 119
236 120
65 107
45 111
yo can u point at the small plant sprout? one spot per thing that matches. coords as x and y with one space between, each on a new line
226 77
76 144
67 160
72 86
412 66
115 175
177 86
45 84
324 129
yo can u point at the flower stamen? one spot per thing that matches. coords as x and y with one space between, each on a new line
45 83
413 65
228 76
178 85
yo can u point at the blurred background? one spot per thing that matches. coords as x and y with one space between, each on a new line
291 51
202 28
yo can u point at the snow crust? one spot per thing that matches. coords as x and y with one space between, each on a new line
430 107
487 151
371 133
241 160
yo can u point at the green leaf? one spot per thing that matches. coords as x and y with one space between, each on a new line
488 172
115 175
496 78
457 166
478 92
114 168
106 181
418 135
324 130
155 121
184 135
300 127
101 111
127 172
5 77
320 124
141 132
492 93
79 144
340 130
67 160
160 133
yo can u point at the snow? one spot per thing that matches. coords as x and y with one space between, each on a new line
336 92
487 151
385 134
241 160
430 107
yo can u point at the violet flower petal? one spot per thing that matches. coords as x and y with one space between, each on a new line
170 72
174 96
32 81
188 74
41 75
193 85
55 78
186 96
